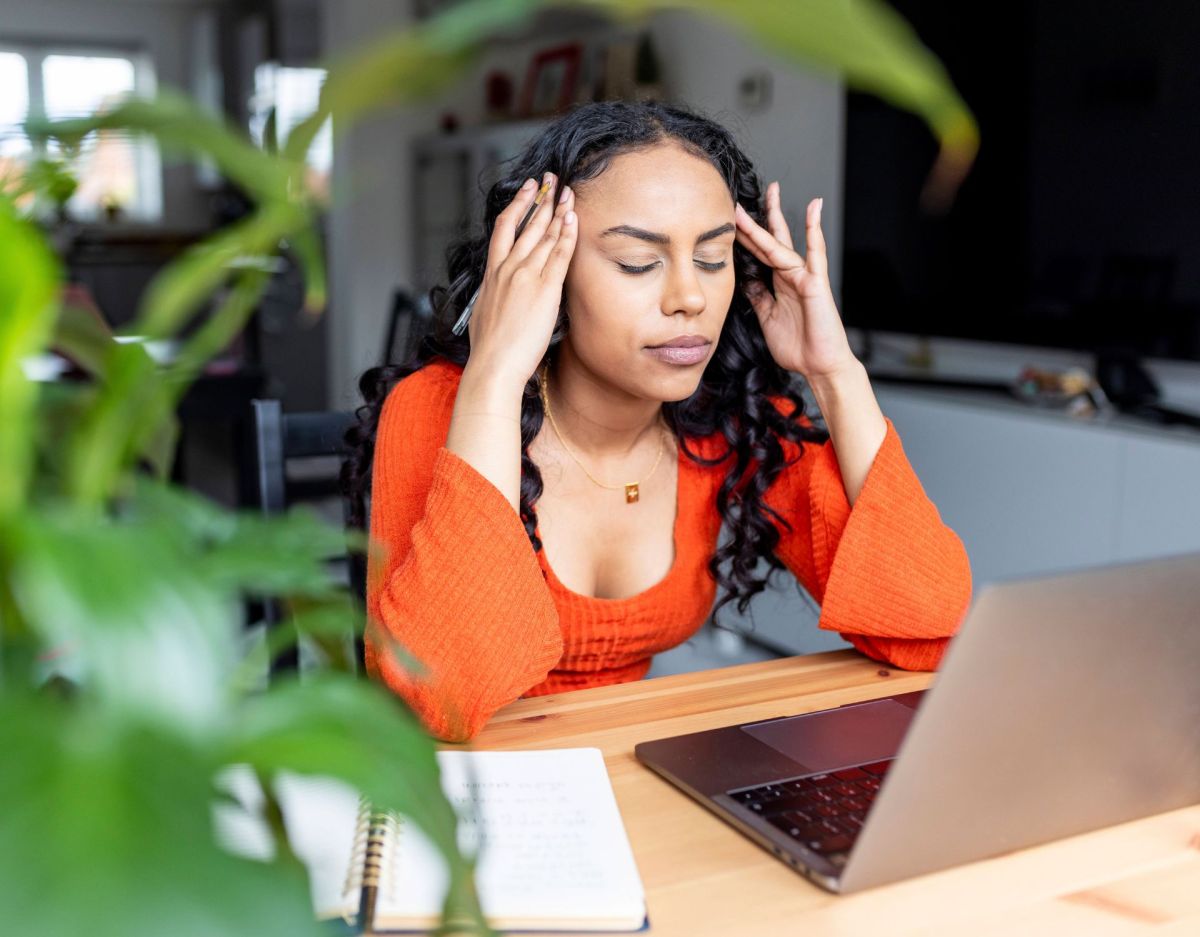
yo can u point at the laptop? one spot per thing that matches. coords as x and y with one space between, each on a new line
1065 704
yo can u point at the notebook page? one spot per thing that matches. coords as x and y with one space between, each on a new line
321 816
553 848
238 823
551 842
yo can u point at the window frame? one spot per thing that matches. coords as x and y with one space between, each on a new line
148 205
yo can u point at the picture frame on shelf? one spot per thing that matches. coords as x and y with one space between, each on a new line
550 80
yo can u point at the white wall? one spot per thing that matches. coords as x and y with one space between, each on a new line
369 235
797 140
161 28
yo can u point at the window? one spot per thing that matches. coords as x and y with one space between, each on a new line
292 94
14 104
115 172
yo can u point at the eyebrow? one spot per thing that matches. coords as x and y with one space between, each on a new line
654 237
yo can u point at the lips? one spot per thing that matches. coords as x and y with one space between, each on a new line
683 350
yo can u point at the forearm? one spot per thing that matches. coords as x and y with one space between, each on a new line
856 425
485 430
462 592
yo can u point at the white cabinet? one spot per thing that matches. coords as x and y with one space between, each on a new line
1160 498
1033 491
1026 493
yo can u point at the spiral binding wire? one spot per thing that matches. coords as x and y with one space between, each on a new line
371 856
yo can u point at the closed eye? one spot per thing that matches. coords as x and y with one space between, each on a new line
699 263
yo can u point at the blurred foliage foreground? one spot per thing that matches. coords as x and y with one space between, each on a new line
127 681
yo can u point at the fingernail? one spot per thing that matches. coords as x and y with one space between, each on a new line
820 205
569 218
527 184
737 208
547 177
566 193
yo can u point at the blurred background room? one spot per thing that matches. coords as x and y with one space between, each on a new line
1035 338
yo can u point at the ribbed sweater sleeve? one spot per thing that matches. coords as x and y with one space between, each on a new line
453 579
890 576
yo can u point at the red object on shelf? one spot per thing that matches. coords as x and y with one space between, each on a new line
566 56
498 94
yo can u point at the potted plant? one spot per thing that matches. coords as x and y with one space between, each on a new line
53 176
126 683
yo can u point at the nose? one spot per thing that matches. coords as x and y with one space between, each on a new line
683 291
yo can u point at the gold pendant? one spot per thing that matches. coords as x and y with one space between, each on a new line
631 493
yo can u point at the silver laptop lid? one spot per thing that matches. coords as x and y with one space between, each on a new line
1065 704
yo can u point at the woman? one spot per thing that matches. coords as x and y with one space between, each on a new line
520 554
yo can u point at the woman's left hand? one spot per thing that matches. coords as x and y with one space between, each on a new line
800 322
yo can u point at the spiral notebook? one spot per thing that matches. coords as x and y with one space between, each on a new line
553 853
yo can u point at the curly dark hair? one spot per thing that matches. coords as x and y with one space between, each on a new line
733 393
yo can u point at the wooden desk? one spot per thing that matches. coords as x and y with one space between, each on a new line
702 877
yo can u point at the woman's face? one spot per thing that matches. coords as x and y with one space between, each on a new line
653 263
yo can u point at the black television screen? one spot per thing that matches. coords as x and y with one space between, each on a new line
1079 223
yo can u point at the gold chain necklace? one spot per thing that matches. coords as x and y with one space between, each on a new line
631 488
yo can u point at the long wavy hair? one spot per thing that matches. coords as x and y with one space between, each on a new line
733 393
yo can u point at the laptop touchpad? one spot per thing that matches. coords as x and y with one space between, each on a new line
824 741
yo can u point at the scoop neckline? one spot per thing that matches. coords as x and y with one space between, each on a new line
677 540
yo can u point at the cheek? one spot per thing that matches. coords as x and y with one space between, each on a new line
727 290
604 324
596 299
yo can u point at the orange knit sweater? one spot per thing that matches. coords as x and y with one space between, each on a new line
454 579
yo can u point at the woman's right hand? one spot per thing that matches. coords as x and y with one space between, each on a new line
514 316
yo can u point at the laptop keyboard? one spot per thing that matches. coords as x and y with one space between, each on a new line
823 812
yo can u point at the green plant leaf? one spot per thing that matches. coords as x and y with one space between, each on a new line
235 553
179 291
29 278
132 404
86 339
182 126
138 395
83 337
51 178
124 610
309 252
133 416
281 555
107 831
192 517
329 623
347 728
170 640
404 66
61 406
221 327
244 552
875 50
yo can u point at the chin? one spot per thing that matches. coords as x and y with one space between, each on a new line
680 387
